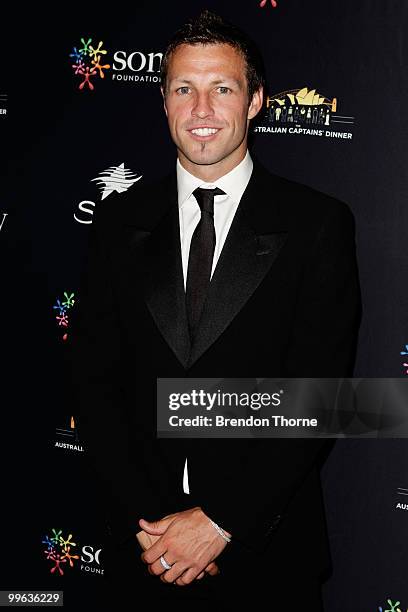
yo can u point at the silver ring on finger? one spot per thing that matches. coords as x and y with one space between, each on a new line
164 563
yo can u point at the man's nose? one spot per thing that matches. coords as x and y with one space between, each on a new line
202 106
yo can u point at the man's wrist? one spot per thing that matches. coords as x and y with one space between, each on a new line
220 531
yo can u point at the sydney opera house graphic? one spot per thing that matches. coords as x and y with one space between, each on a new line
300 106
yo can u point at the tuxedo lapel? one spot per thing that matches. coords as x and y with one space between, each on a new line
164 285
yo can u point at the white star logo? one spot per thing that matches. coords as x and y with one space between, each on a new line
116 178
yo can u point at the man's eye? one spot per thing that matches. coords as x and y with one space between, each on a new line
224 90
182 90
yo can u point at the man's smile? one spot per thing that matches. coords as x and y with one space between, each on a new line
204 133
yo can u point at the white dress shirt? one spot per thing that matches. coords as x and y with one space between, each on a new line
225 206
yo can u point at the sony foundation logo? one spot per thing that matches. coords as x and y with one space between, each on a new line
91 62
87 64
62 307
305 112
63 554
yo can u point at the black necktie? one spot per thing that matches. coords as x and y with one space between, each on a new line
200 257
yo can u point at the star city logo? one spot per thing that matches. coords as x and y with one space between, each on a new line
88 63
62 306
58 551
264 3
116 178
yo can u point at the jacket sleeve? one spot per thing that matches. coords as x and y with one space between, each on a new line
322 344
95 364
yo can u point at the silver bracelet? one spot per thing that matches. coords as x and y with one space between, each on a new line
220 531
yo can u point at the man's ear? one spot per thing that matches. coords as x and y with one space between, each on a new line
256 103
164 99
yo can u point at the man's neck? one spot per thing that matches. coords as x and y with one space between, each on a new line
212 172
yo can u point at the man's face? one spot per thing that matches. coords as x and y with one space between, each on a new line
206 102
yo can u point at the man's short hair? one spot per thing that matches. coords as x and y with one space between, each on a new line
210 29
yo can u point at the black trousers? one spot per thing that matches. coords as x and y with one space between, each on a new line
126 581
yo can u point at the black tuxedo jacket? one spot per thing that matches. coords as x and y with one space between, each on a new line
284 300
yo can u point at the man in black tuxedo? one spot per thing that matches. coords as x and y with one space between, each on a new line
219 270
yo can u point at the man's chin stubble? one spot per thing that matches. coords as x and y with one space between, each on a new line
204 162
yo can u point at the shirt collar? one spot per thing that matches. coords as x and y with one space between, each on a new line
233 183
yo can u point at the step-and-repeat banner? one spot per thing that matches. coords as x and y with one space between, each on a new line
81 118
